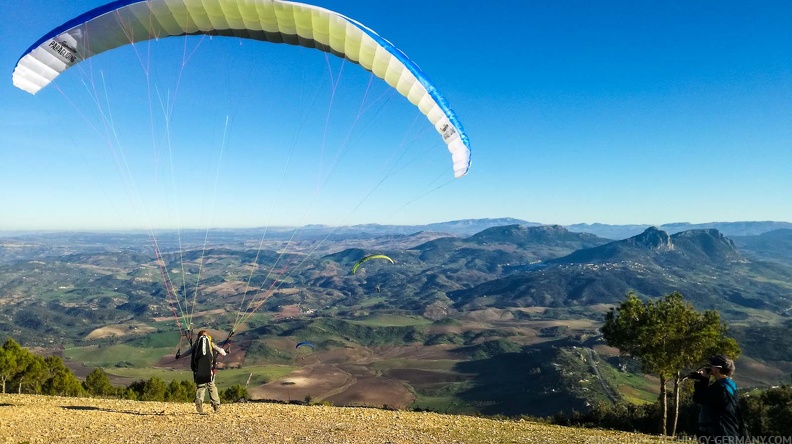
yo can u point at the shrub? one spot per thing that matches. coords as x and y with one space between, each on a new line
234 393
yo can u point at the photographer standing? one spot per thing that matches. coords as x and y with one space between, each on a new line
720 412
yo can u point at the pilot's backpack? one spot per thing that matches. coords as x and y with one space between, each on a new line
202 363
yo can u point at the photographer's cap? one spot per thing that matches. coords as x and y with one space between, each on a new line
726 364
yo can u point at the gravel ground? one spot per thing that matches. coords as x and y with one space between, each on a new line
44 419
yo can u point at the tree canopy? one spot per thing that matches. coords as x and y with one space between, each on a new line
668 336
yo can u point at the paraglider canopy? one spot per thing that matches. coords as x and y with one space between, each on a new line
125 22
369 257
307 344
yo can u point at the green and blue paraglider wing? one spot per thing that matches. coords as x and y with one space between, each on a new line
123 22
367 258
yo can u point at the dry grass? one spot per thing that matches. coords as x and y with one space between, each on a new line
39 419
195 315
119 330
751 372
228 288
489 315
287 311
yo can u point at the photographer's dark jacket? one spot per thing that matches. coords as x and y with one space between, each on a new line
719 414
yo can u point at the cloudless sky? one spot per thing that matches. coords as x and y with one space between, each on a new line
615 112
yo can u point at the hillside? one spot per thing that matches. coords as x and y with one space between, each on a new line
704 265
41 419
731 229
654 247
774 245
433 331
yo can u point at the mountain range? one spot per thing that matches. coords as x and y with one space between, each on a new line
513 296
514 265
703 264
468 227
463 227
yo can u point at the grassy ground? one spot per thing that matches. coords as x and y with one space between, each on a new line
386 320
121 354
41 419
441 404
372 301
224 379
439 364
635 388
162 339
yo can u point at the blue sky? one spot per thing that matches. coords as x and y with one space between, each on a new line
611 111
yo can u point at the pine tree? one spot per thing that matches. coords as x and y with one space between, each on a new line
61 381
667 336
32 372
153 390
176 392
97 383
9 361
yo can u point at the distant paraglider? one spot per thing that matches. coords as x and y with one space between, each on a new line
369 257
303 345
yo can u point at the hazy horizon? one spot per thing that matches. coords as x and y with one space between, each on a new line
160 230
